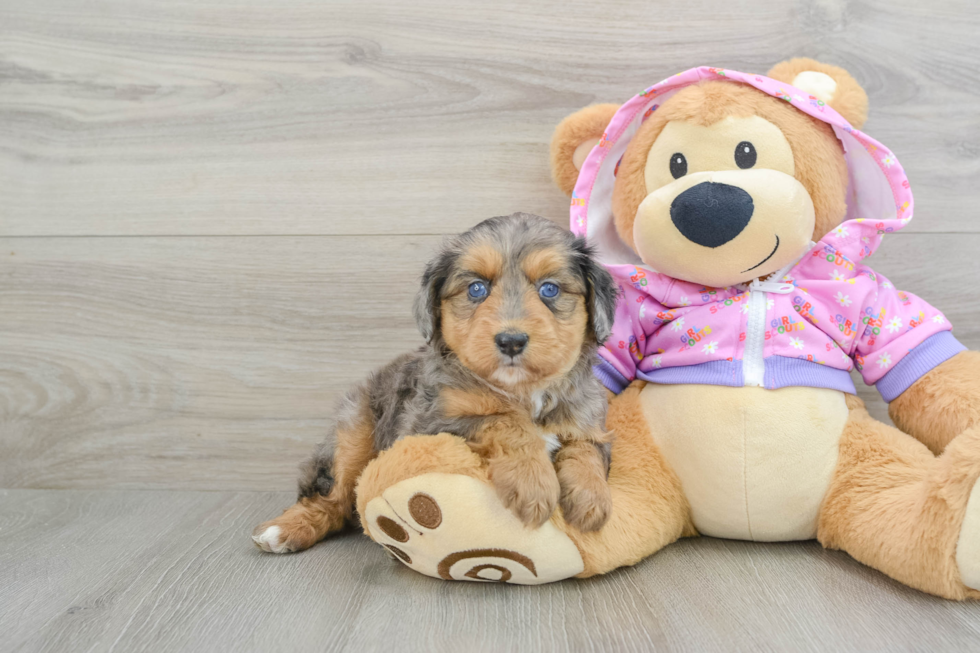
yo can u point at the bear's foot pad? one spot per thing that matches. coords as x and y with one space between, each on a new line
454 527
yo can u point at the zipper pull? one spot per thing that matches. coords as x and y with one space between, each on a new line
771 286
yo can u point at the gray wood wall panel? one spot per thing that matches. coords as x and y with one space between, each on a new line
212 218
299 117
214 363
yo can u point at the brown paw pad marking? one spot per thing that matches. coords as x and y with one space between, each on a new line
475 572
392 529
398 553
425 511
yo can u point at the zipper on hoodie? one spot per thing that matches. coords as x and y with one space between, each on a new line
753 358
754 355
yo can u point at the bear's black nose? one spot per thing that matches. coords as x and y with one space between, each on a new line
711 214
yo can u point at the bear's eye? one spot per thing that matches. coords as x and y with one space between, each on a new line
745 155
678 165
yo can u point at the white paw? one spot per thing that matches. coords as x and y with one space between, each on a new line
455 527
268 540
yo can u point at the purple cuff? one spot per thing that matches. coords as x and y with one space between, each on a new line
610 376
934 350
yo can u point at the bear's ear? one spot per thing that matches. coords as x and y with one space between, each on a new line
574 138
833 85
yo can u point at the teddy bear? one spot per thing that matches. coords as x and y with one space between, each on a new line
734 211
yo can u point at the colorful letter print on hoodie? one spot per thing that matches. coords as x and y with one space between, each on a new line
808 324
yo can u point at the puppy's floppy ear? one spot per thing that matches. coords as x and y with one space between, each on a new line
428 300
574 138
833 85
602 294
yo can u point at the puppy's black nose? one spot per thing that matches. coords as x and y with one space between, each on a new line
511 343
711 214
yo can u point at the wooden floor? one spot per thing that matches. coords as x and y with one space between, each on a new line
212 219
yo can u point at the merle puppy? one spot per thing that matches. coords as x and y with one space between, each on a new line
512 311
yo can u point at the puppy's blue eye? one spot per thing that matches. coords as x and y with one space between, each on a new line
478 290
548 290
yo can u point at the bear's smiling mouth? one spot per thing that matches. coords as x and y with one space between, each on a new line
765 259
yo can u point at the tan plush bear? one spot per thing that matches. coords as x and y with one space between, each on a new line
735 211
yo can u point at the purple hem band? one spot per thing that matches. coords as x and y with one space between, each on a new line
610 377
721 372
781 372
932 351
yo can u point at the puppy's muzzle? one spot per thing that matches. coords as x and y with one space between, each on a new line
511 343
711 214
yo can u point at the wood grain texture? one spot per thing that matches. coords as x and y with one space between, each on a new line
207 363
212 218
169 571
348 117
214 363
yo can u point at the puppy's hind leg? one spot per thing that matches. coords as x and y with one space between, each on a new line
326 486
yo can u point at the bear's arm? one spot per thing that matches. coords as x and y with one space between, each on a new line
942 403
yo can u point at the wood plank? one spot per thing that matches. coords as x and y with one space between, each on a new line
302 117
176 362
168 364
168 571
214 363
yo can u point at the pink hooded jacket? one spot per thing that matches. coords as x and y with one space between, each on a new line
808 324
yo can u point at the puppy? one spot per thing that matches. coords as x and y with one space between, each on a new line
513 311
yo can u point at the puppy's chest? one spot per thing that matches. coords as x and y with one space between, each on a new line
465 412
542 409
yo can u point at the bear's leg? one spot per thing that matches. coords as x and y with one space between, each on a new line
896 507
429 501
649 509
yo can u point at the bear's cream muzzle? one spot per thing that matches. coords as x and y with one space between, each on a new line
725 227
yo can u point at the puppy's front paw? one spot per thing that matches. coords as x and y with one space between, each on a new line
528 487
586 501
